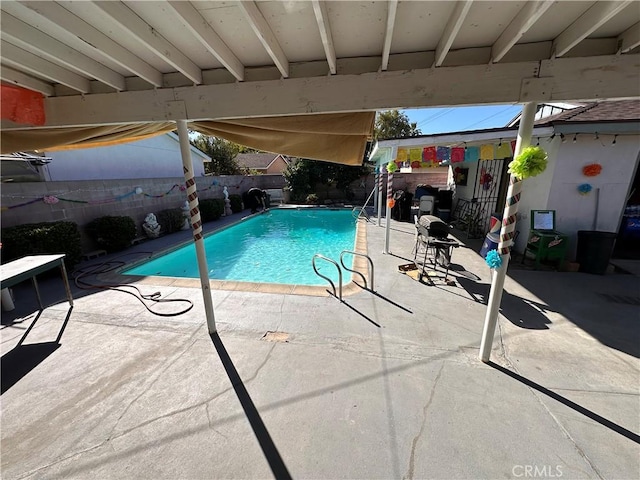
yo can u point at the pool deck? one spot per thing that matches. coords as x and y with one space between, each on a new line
292 386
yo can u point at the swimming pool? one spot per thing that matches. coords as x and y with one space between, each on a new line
274 247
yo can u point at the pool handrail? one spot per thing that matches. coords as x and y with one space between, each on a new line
333 286
354 271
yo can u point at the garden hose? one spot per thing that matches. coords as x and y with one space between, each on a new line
81 282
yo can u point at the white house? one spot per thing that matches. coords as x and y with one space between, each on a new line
154 157
606 134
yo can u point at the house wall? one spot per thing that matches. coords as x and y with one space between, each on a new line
157 157
559 183
277 166
134 206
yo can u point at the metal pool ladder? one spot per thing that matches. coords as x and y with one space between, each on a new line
342 254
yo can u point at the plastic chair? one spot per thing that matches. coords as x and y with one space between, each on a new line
427 204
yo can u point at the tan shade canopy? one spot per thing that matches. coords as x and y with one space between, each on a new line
338 138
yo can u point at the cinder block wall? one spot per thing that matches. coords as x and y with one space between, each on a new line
97 191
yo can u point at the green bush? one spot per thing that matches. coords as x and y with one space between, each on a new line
42 238
312 199
211 209
112 233
236 203
171 220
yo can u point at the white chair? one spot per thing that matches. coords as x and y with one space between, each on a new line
427 203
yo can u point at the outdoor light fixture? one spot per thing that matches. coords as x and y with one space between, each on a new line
538 142
614 140
551 138
596 137
563 138
575 138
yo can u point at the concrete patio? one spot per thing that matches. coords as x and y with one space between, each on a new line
380 386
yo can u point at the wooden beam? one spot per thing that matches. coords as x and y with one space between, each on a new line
89 36
605 77
22 60
522 22
208 37
388 35
15 77
629 39
31 39
451 30
151 39
586 24
264 33
322 17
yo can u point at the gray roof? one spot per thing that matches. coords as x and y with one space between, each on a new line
256 160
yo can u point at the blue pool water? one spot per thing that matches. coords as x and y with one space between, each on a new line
275 247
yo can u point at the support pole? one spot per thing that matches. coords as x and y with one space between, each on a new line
387 232
380 188
375 190
506 235
196 222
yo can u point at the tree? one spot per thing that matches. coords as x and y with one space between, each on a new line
222 153
304 175
393 124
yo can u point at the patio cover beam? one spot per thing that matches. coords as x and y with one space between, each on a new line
201 29
14 77
451 30
388 35
196 222
151 39
322 17
561 79
522 22
87 37
23 35
630 38
266 36
599 14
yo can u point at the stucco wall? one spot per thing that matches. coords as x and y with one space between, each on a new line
556 188
157 157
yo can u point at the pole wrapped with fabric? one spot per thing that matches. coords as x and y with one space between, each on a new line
506 235
380 192
196 222
391 167
507 231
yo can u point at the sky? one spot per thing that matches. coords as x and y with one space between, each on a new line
457 119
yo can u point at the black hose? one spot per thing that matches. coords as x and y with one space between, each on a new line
79 275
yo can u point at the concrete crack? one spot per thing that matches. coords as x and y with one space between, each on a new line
414 444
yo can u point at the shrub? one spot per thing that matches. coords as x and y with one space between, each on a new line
171 220
42 238
211 209
112 233
312 199
236 203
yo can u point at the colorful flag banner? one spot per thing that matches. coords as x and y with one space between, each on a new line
415 154
487 152
402 155
443 154
471 154
504 150
21 105
457 154
429 154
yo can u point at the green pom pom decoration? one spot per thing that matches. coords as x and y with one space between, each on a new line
531 162
392 167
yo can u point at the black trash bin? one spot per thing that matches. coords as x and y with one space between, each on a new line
594 250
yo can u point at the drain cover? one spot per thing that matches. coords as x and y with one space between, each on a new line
281 337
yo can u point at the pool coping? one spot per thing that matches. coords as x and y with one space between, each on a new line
360 266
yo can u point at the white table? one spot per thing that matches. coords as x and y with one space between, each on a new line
24 268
